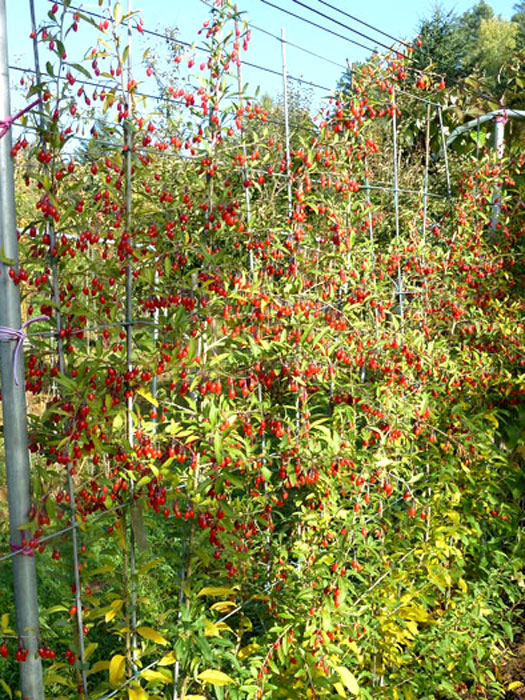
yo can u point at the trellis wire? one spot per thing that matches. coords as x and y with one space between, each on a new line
382 187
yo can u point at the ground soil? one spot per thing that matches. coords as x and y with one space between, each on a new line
514 671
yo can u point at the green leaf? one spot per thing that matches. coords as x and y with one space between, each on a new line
81 69
4 259
6 688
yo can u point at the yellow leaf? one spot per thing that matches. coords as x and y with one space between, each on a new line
195 697
117 668
348 679
222 627
169 659
5 622
148 396
118 422
462 585
353 647
340 690
210 629
216 590
414 611
115 606
137 693
151 675
247 651
514 685
152 635
223 606
412 627
215 677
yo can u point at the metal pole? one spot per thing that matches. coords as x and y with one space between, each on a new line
247 196
286 124
445 144
129 337
14 408
400 290
499 150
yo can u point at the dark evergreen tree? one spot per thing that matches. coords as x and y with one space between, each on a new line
440 44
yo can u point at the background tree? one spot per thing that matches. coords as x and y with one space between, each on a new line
518 18
440 44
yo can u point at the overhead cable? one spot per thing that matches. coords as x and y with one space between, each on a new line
318 26
365 24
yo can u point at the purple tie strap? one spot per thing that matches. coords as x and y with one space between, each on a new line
5 124
26 549
7 334
504 117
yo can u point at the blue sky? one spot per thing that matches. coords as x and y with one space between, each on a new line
397 18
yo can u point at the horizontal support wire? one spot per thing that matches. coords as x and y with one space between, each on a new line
196 159
69 528
161 98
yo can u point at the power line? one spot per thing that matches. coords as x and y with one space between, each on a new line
452 81
297 46
341 24
365 24
318 26
203 49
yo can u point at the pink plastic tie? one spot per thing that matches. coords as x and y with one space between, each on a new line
5 124
503 118
7 334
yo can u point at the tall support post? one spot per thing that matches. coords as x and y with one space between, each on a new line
499 150
286 123
14 409
129 335
247 195
400 290
445 153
